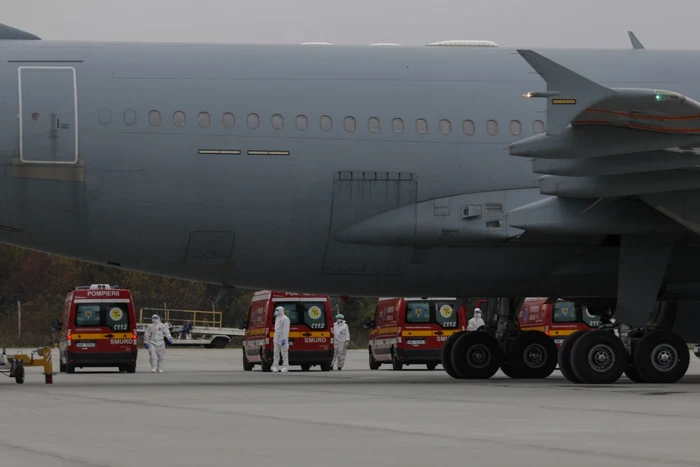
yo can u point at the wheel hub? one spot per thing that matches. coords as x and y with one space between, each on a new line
535 355
664 357
478 356
601 358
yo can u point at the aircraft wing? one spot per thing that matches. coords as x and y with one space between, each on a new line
605 142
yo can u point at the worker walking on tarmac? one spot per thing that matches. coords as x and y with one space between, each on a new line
341 337
154 338
281 341
476 322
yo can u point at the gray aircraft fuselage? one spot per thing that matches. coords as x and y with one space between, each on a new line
162 172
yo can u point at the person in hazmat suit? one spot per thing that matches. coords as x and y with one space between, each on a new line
341 338
281 340
476 322
154 338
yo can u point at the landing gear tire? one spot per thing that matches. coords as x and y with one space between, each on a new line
373 364
476 355
533 354
446 355
395 363
507 370
431 366
661 357
632 373
247 366
564 356
599 357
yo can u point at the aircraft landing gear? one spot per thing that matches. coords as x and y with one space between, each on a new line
519 354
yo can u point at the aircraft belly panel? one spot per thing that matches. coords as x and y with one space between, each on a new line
357 196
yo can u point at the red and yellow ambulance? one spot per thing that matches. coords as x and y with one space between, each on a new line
98 329
412 330
310 330
555 317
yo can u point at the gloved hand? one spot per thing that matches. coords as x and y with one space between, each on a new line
146 345
170 341
284 342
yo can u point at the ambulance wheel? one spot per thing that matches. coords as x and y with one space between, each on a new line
395 363
70 369
61 367
661 357
632 373
564 357
476 355
19 374
131 368
325 366
373 364
247 366
265 366
446 355
599 357
431 366
533 354
305 367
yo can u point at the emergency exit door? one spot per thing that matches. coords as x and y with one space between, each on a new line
48 115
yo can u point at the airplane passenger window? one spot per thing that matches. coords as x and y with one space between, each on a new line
179 119
538 127
228 120
469 128
277 122
253 121
154 118
492 127
373 124
397 125
421 126
302 122
326 123
445 127
129 117
204 120
350 124
515 128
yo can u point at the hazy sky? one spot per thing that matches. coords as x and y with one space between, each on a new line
666 24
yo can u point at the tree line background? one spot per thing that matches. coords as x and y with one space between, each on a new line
40 282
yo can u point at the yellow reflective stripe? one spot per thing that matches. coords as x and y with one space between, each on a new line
256 332
532 328
427 333
391 330
562 332
109 335
306 334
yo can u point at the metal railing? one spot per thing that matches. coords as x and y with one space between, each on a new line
178 317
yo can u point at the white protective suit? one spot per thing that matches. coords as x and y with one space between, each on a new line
154 338
476 322
281 340
341 337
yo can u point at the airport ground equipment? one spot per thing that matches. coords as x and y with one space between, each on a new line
13 365
207 327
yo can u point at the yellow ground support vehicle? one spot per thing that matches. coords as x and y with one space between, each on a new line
13 365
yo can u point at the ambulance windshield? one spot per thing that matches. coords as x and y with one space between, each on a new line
310 314
442 313
115 316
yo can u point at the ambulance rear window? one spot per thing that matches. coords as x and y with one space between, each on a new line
435 312
565 312
112 315
310 314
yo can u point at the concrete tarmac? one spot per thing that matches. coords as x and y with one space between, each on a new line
206 411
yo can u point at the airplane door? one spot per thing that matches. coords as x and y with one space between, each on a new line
48 115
